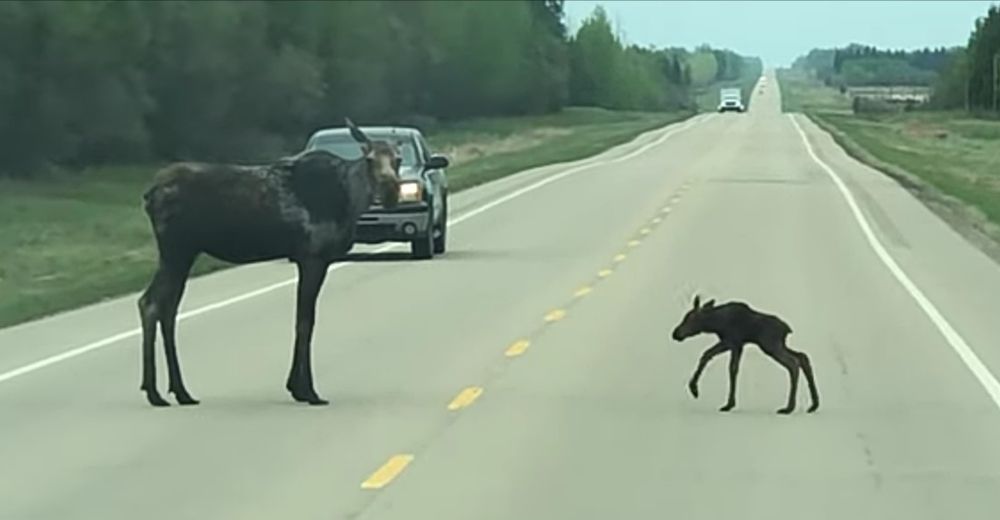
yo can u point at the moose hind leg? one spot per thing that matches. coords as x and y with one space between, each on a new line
734 367
791 363
806 365
149 316
168 324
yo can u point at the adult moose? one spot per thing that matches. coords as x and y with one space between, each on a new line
736 324
302 208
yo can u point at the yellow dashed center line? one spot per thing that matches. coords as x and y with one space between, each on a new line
517 348
465 397
555 315
390 470
397 463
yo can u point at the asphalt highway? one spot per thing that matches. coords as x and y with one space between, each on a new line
529 372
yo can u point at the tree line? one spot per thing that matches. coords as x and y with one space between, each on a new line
961 77
864 65
91 82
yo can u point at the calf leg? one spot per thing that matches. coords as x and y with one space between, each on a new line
778 352
312 273
734 367
806 365
707 356
168 321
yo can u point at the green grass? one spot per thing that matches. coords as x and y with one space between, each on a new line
802 93
578 133
77 238
956 155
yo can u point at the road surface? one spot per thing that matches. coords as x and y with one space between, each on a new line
528 373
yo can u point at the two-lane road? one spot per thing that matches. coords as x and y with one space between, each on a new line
528 373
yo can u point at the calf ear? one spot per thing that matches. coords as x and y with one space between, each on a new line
709 304
697 301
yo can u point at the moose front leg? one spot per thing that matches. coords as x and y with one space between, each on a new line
312 273
735 354
707 356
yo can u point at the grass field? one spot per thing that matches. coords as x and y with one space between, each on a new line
950 160
953 153
801 93
79 238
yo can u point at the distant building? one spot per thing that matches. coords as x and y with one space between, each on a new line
894 94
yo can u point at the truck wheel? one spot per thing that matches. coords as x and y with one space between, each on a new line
422 248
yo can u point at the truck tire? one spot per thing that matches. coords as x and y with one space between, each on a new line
422 248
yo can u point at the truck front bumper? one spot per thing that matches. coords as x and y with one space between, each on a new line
400 224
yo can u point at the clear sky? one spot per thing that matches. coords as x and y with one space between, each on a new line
780 31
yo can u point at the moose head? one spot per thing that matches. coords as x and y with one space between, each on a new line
693 322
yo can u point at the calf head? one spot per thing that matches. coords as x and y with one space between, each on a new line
693 322
383 161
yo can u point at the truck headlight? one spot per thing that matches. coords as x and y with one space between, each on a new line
410 192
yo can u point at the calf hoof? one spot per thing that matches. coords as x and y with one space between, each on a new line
786 410
813 408
185 399
156 399
726 407
693 388
317 401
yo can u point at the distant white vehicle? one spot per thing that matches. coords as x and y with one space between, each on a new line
730 99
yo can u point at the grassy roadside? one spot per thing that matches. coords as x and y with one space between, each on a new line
801 93
948 160
76 239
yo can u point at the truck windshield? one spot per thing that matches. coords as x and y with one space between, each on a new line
345 146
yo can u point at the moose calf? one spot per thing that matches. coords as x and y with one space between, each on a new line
736 324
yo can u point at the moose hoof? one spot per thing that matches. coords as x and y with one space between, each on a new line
185 399
813 408
156 399
309 396
786 410
726 407
693 388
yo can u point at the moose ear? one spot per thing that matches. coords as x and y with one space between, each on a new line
709 304
697 301
358 135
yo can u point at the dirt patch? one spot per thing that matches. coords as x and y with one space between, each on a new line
477 149
924 130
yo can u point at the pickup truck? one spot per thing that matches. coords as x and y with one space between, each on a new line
421 217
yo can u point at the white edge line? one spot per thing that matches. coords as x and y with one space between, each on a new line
99 344
978 369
